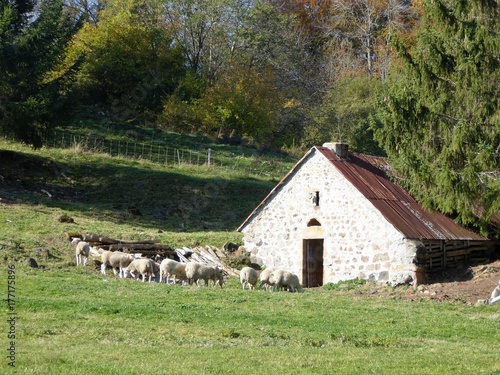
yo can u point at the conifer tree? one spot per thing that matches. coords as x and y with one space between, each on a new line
441 113
32 34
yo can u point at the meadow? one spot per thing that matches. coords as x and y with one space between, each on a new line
77 321
63 319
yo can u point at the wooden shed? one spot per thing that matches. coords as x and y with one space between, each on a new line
337 216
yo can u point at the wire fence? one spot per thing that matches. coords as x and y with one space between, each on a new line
136 150
268 167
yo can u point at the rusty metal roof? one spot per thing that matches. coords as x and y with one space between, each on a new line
368 175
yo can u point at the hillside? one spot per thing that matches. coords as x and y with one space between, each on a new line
128 198
47 193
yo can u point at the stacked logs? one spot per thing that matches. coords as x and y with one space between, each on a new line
148 248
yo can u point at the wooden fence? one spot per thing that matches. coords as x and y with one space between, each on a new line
451 254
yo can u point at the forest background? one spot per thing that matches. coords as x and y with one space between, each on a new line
417 81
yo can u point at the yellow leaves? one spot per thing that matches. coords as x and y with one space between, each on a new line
292 103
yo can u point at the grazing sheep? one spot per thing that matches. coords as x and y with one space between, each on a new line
196 271
116 260
105 254
144 267
287 280
248 276
169 267
82 251
264 278
120 261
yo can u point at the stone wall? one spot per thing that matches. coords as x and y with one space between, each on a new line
358 241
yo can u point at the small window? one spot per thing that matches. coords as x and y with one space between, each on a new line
313 223
315 198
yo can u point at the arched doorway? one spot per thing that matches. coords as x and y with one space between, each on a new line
312 245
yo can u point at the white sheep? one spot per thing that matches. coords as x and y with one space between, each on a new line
264 278
248 276
169 268
196 271
117 260
82 251
144 267
496 292
287 280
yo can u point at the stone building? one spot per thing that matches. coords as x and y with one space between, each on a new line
337 216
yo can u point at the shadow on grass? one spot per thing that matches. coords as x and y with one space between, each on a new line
194 199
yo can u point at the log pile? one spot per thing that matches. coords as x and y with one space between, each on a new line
148 248
206 255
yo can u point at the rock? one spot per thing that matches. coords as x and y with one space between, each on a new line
32 263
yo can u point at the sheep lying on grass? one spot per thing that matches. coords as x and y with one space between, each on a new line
116 260
248 276
287 280
82 251
144 267
169 268
264 278
196 271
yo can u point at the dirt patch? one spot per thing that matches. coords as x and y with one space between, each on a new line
464 285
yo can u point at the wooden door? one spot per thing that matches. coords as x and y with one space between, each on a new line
313 263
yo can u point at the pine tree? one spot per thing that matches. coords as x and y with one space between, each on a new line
31 39
441 113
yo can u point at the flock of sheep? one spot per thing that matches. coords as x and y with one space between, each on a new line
129 265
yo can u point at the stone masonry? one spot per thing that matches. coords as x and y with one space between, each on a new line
358 242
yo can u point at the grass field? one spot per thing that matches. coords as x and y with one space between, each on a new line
60 319
75 321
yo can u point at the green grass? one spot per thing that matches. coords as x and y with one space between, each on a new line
76 321
180 205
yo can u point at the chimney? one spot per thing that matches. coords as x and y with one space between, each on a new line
341 149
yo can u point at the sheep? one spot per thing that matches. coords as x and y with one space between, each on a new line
120 261
117 260
287 280
196 271
496 292
248 276
264 278
144 267
169 267
82 251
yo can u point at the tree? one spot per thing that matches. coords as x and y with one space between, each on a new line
125 63
345 115
363 29
208 31
244 103
441 113
32 36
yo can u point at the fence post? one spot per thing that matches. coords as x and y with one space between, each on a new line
178 157
208 160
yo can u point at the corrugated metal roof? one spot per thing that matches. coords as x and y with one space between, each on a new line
367 174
